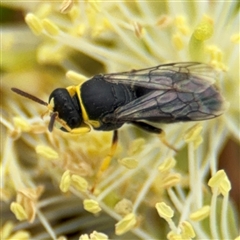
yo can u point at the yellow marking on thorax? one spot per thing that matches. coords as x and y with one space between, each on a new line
84 112
84 128
86 119
71 90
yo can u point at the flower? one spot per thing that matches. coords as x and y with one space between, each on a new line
89 37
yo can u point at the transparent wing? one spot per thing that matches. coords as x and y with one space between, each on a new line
171 106
182 77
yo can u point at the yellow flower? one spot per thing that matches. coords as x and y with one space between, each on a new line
49 44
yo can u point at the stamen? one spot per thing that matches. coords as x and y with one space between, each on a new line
50 27
34 23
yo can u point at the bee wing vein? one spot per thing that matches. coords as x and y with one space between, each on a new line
185 77
171 106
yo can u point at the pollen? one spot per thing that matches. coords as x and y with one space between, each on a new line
79 183
174 236
65 181
216 57
193 135
220 181
50 27
124 207
19 211
23 125
180 21
181 25
34 23
216 180
21 235
171 180
126 224
91 205
225 186
46 152
98 236
204 30
164 210
26 202
167 164
215 53
187 230
200 214
6 229
84 237
94 236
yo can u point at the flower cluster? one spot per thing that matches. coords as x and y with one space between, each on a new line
149 191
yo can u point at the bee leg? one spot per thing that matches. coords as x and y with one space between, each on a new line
111 153
107 160
149 128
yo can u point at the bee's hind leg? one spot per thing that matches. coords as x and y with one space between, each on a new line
149 128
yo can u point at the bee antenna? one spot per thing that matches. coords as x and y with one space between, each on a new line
27 95
53 117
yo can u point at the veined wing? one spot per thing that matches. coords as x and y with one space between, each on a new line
182 77
171 106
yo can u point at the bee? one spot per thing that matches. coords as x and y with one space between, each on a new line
167 93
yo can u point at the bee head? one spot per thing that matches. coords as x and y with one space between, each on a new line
66 110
